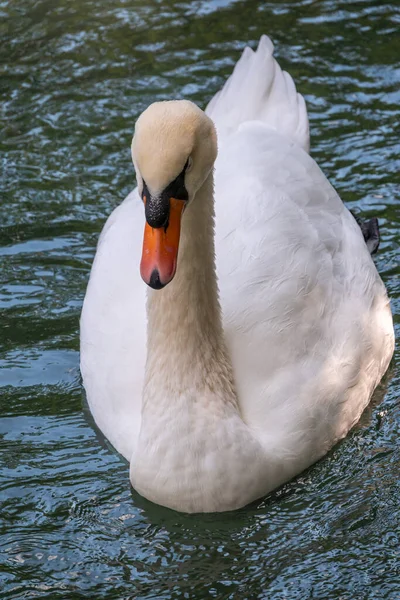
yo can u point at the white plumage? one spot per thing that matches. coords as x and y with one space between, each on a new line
305 316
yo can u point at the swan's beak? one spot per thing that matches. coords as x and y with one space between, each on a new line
160 248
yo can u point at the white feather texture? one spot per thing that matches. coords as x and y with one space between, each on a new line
217 400
259 90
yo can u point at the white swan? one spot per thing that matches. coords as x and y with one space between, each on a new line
213 408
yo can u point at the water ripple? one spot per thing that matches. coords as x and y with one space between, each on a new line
75 75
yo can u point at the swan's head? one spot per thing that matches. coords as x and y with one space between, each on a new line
173 151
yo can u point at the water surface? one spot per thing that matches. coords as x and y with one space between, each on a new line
74 75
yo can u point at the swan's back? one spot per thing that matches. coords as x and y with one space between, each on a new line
306 316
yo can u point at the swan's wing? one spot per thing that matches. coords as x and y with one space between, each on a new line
113 328
306 315
259 90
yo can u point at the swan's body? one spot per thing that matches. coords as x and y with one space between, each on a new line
226 409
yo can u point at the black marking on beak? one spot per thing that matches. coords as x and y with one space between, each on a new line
157 207
155 281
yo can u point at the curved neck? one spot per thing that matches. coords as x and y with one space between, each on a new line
186 348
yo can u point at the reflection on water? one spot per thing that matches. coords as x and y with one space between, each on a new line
74 76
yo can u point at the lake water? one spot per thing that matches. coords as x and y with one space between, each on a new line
74 75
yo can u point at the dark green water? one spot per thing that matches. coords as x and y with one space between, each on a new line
74 75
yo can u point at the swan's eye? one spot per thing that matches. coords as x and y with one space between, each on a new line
189 164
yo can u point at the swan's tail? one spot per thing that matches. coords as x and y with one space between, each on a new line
259 90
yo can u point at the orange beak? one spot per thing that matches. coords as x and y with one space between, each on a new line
160 248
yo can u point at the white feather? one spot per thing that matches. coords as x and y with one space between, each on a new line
259 90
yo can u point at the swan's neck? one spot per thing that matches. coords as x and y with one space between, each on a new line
186 348
194 452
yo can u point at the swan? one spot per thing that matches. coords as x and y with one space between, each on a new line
264 326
